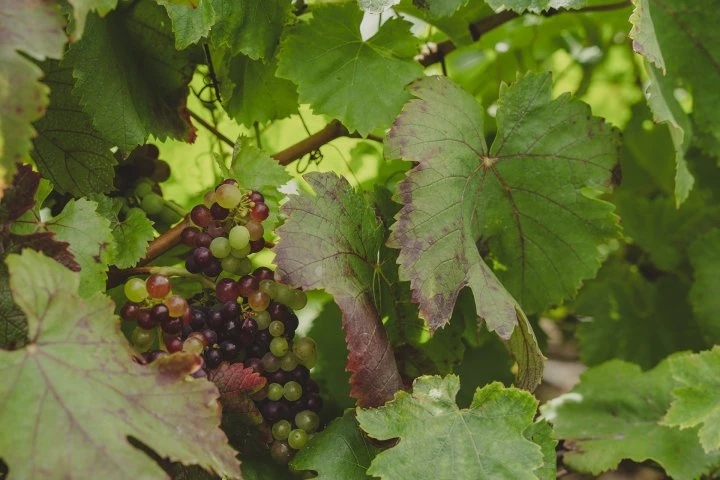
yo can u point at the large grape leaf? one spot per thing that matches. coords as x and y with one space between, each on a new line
131 230
250 27
74 394
438 440
696 400
535 6
339 451
36 28
615 413
13 324
81 8
679 37
626 316
68 150
337 71
440 8
190 24
530 199
130 78
377 6
705 291
542 434
253 93
332 240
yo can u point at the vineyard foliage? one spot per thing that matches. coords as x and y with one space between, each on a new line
339 239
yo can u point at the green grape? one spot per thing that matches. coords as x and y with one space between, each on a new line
230 264
281 429
262 318
284 294
310 361
307 420
279 347
220 247
193 345
275 392
142 339
169 216
270 287
135 290
245 267
298 300
239 237
242 253
297 438
228 196
292 391
152 204
304 347
289 362
270 362
142 189
276 328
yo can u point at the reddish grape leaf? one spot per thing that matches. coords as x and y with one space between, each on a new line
332 240
236 384
46 243
73 396
19 197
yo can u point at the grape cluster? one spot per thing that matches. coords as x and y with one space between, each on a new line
250 320
138 178
228 227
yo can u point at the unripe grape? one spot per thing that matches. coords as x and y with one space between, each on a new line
255 229
279 346
152 203
177 306
241 253
270 362
292 391
135 290
262 319
307 420
304 347
289 362
276 328
280 452
142 189
297 438
239 237
258 301
281 429
297 300
142 339
231 264
193 345
220 247
275 393
228 196
269 287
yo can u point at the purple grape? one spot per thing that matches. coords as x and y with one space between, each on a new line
145 320
216 229
201 216
218 212
243 337
256 351
255 364
257 245
278 311
300 374
210 336
203 240
311 386
189 236
263 273
314 402
263 337
191 266
247 284
275 411
159 313
172 326
213 269
215 320
230 310
202 256
197 319
228 350
250 325
213 357
279 376
227 290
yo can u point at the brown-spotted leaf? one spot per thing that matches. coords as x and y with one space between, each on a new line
19 197
332 240
237 384
72 397
46 243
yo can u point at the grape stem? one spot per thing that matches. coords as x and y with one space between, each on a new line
170 272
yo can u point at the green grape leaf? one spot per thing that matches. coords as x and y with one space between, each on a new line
236 384
539 177
440 8
36 28
705 291
339 77
190 24
332 240
696 400
254 169
131 230
614 414
90 239
535 6
121 82
339 451
68 150
678 37
376 6
76 346
250 27
485 441
542 434
253 93
13 324
626 316
81 9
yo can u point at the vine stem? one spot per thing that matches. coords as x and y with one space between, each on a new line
485 25
170 272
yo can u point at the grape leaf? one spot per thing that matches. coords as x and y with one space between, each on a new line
68 150
13 324
190 24
332 240
339 451
76 346
696 400
253 93
705 291
250 27
535 6
437 440
131 230
19 196
530 198
36 28
626 316
614 413
542 434
130 78
440 8
46 243
679 38
236 384
81 8
336 70
377 6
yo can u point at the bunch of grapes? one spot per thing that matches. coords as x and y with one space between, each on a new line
138 178
152 305
228 227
